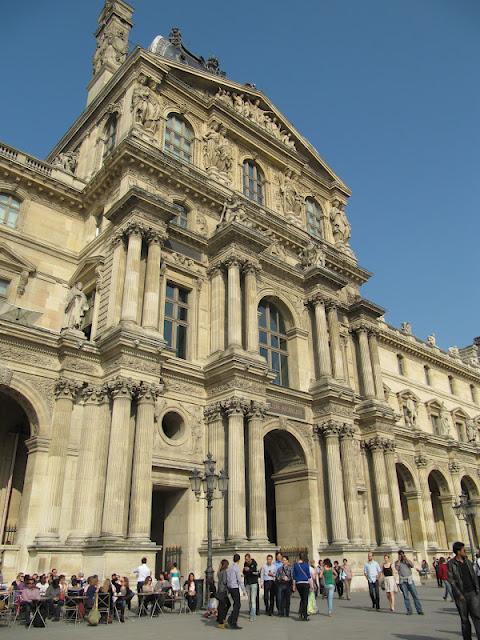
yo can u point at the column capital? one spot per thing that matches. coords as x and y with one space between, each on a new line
317 299
215 270
252 266
347 431
155 236
233 261
116 239
212 411
148 391
94 393
378 442
66 388
134 228
329 429
257 410
121 387
331 304
454 466
421 461
234 406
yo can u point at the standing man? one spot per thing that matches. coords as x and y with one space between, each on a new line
404 568
278 564
142 572
250 578
372 573
464 582
284 580
435 564
267 581
234 585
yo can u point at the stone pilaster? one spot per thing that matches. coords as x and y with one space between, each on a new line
217 310
377 447
376 369
330 431
151 295
130 300
257 498
251 309
421 461
365 363
234 303
65 394
235 410
335 345
116 280
349 467
392 479
216 446
117 489
141 491
323 347
454 468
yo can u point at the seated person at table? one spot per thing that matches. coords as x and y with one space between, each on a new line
190 590
18 584
74 586
54 599
148 596
30 598
42 584
91 592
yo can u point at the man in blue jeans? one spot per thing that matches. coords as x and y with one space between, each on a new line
404 568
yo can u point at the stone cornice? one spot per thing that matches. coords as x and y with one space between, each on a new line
143 203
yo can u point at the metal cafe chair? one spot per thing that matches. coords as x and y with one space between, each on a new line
71 611
104 606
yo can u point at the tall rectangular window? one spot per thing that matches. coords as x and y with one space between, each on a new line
4 288
401 364
435 423
451 384
473 393
176 319
428 378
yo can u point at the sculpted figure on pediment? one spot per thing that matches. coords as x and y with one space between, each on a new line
410 412
75 307
67 161
444 424
145 105
312 256
290 198
112 48
233 211
406 328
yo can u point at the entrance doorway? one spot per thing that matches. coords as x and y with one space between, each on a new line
169 527
14 430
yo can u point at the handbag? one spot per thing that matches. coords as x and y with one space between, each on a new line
93 617
312 605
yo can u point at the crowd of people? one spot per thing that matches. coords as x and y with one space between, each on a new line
277 577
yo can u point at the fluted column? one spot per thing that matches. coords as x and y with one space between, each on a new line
394 492
141 491
376 369
349 467
151 295
251 310
330 431
116 280
217 310
422 461
335 345
234 304
65 394
455 468
323 347
216 446
117 489
235 409
257 498
376 446
365 363
93 451
130 300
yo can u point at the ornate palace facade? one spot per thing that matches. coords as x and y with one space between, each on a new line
176 278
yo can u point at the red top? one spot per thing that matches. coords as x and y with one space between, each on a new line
443 571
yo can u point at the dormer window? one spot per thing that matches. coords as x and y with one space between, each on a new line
110 134
253 182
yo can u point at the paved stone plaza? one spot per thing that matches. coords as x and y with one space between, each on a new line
351 620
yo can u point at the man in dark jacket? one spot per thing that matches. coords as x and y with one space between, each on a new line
466 592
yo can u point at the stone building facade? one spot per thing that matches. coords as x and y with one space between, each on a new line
175 279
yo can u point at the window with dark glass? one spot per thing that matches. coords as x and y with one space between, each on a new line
110 134
176 319
426 370
314 218
87 319
451 384
9 210
401 364
179 137
4 284
181 219
253 182
273 341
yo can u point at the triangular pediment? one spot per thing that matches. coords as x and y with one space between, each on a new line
11 260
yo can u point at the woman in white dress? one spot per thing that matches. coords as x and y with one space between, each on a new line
389 581
175 578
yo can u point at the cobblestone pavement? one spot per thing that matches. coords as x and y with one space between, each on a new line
351 620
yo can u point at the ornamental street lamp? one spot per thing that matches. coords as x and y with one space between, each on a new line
204 487
465 510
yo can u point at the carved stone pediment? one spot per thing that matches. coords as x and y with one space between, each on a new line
12 263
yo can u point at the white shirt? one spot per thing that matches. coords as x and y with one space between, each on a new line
372 570
142 572
42 588
268 572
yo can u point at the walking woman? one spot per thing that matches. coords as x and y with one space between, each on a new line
222 594
329 576
302 582
389 581
443 575
347 577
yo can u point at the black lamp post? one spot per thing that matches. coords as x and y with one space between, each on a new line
204 486
465 510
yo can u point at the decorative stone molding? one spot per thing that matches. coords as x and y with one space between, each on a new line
376 442
94 394
454 466
145 105
122 387
329 429
155 236
235 406
421 461
116 239
6 376
212 412
257 410
389 446
252 266
65 388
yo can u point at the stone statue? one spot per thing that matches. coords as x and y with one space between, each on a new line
444 424
217 153
145 106
454 352
472 431
75 308
431 340
410 412
112 48
233 211
340 226
312 256
67 161
406 328
290 199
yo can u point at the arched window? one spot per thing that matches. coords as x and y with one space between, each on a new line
253 181
273 341
179 137
9 210
110 134
314 218
181 219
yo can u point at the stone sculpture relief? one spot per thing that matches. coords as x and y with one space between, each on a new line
472 431
312 256
410 412
406 328
145 105
66 161
291 201
341 228
444 424
251 110
217 153
431 341
454 352
112 48
233 211
75 307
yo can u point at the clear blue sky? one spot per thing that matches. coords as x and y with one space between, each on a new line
386 90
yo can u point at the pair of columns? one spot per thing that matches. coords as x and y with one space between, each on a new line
228 296
370 362
230 438
328 344
108 477
124 302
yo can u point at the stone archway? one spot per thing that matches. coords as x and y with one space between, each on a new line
444 518
287 490
470 488
411 505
